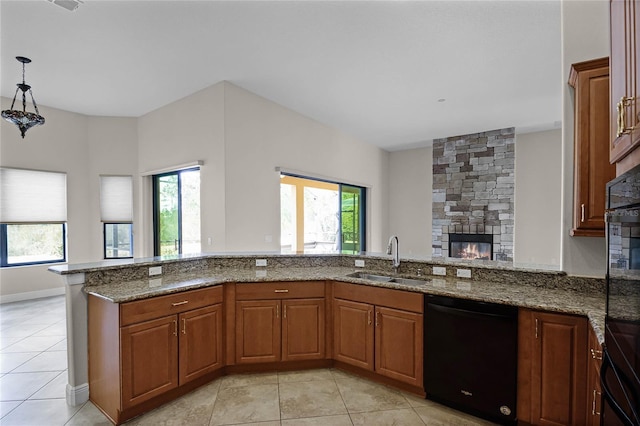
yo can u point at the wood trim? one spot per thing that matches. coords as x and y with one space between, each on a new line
104 355
280 290
160 306
585 66
230 323
629 162
391 298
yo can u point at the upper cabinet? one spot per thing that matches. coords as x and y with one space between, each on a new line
624 108
592 170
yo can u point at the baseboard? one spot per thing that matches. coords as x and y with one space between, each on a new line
77 395
28 295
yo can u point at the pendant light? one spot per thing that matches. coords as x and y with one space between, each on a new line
23 119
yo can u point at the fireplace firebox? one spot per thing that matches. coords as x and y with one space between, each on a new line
471 246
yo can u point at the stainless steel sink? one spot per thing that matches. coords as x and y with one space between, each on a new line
388 279
409 281
372 277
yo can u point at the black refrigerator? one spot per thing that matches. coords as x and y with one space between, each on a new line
620 370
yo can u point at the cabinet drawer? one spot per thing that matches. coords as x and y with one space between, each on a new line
399 299
155 307
279 290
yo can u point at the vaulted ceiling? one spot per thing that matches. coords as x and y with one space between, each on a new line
392 73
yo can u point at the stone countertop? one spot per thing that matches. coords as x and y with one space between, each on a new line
511 293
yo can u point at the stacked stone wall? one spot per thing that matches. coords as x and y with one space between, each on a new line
474 188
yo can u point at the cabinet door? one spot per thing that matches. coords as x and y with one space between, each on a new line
200 342
592 169
303 334
559 369
149 359
398 345
353 333
625 75
257 331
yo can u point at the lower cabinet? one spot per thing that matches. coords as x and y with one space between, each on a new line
552 368
594 390
380 330
144 349
282 327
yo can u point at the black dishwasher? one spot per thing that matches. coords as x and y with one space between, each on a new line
470 356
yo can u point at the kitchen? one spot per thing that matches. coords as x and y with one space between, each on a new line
147 144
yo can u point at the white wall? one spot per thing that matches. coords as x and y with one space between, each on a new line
538 199
410 195
261 135
65 143
184 131
585 36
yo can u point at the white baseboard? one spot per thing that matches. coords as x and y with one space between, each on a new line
77 395
28 295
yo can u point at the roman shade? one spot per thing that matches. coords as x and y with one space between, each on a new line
32 196
116 199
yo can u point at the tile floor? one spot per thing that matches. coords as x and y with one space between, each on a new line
33 378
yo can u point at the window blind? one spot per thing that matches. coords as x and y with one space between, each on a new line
32 196
116 199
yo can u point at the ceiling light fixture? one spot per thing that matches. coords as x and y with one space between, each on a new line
23 119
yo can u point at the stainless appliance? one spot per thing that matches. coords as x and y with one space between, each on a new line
470 357
620 370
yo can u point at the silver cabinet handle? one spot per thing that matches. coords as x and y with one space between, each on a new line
582 213
278 310
175 327
369 316
536 328
377 319
184 326
281 291
184 302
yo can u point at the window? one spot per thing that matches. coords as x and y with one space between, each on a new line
176 200
318 216
116 212
33 215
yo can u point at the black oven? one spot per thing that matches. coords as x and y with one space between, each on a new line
620 370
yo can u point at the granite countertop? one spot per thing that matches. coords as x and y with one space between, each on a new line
511 293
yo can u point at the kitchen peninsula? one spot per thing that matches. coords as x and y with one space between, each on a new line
227 296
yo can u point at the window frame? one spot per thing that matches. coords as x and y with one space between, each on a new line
104 239
362 222
155 178
4 250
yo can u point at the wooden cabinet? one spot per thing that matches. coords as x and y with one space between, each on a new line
140 351
552 368
594 390
353 333
625 75
380 330
279 322
592 169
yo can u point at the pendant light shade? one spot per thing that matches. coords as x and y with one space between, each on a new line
23 119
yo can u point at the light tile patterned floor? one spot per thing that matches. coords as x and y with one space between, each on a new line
33 379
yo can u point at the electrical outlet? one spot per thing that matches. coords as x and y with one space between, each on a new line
261 262
463 273
461 285
359 263
155 270
439 270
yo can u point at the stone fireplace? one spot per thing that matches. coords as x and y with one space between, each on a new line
473 195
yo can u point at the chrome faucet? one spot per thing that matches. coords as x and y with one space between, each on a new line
396 255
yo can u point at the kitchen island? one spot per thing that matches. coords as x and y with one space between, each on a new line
121 284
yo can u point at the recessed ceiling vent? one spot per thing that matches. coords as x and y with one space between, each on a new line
70 5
